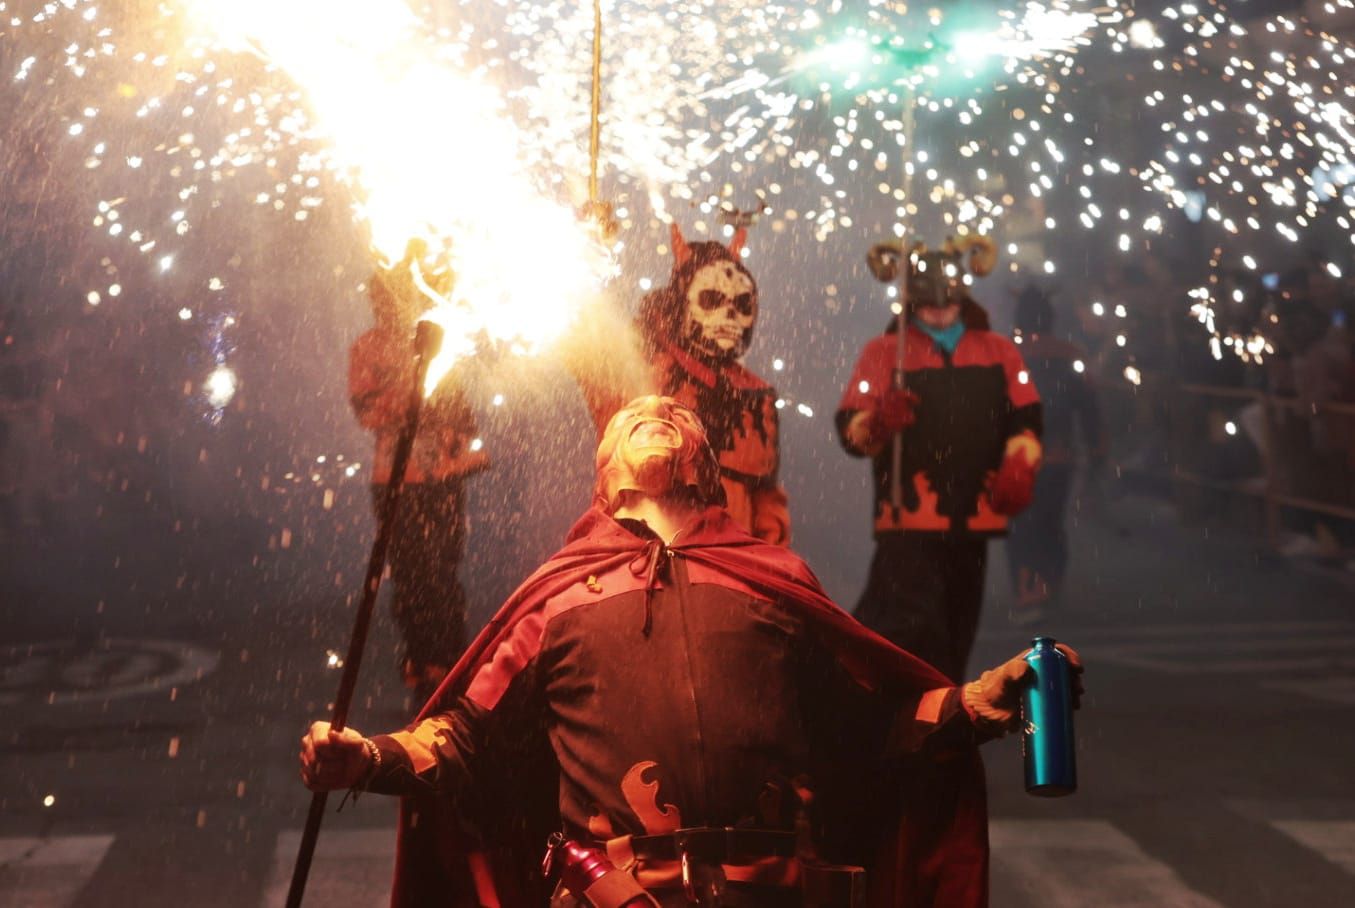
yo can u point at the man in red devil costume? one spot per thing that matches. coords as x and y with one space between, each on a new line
970 422
715 730
694 332
429 534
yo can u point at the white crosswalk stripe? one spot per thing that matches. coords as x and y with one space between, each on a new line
1333 839
352 867
48 872
1339 689
1064 863
1053 863
1322 825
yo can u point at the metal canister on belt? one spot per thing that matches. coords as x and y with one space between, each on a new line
590 877
1047 740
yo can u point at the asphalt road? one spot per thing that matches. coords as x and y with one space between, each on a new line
151 762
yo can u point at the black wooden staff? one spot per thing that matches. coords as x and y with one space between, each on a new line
889 261
427 340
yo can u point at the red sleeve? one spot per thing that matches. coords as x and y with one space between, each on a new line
378 380
441 752
869 378
444 752
935 722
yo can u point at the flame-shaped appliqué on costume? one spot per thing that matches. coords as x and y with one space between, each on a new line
643 799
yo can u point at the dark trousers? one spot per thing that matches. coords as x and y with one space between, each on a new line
1037 542
426 545
924 595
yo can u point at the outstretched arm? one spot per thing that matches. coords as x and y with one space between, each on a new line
434 754
605 354
944 719
439 753
993 702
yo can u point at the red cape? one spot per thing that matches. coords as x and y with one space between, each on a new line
929 850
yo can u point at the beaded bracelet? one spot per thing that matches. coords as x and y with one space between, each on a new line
374 754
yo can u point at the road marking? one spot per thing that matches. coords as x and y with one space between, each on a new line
1075 863
352 867
1055 863
1337 689
71 671
1315 648
48 873
1215 631
1333 839
1205 662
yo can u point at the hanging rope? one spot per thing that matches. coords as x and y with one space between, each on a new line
595 127
595 209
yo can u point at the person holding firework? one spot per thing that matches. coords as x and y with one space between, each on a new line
429 531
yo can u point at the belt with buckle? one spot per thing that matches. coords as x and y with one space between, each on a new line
715 845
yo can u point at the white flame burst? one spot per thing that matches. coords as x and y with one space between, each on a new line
433 155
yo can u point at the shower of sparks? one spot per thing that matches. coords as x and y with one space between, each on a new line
347 93
1254 131
1050 126
962 159
891 54
1246 126
433 155
1250 346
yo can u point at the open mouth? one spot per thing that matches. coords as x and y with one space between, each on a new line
654 433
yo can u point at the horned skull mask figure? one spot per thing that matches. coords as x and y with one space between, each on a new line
720 297
721 310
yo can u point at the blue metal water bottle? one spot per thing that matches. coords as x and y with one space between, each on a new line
1047 711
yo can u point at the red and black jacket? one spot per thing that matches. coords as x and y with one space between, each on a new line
706 682
970 403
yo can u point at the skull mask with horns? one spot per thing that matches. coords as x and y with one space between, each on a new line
717 297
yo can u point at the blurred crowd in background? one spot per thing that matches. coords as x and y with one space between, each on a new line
1231 389
102 417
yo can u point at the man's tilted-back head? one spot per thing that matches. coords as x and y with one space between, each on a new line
657 447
